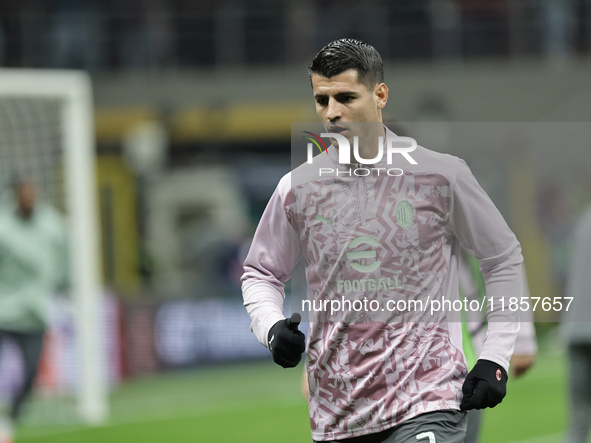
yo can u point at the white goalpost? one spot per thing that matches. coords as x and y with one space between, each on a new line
55 107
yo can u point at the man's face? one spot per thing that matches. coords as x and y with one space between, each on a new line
25 198
342 99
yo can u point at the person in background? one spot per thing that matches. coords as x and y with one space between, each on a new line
32 267
577 331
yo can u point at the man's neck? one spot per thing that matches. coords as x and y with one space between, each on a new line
370 145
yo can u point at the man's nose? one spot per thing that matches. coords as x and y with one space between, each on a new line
334 110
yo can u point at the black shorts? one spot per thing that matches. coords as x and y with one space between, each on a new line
431 427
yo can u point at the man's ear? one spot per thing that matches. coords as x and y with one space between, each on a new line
381 93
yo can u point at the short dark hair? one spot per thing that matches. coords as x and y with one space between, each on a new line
348 53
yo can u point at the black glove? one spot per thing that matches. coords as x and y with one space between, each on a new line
286 343
485 386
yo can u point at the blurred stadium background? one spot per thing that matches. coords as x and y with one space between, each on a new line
192 105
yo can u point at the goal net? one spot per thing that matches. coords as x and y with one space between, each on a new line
46 133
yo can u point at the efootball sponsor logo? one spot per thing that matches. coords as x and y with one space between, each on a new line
370 254
394 145
365 261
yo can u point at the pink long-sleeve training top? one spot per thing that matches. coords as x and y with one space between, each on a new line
387 235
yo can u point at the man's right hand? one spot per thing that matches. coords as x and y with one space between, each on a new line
286 342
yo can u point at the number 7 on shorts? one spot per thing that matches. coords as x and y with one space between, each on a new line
428 435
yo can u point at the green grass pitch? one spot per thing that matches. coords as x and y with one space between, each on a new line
260 402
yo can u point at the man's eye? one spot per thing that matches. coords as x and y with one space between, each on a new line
346 99
322 101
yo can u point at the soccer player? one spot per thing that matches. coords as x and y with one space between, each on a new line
32 267
386 376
